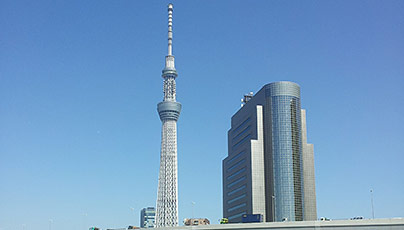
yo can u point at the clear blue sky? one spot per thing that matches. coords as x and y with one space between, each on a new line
80 81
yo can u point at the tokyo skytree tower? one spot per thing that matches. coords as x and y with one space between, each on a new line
169 112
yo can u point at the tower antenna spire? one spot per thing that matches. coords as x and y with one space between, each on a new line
169 70
170 29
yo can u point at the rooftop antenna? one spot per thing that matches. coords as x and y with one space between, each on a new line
246 98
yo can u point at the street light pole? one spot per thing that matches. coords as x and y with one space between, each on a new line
273 208
134 214
50 224
84 220
371 200
193 205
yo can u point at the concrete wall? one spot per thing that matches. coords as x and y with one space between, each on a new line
376 224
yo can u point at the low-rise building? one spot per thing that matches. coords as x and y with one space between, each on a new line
147 217
196 221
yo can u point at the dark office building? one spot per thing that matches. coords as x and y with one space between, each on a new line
269 158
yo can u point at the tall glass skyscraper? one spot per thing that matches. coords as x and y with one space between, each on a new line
283 99
264 171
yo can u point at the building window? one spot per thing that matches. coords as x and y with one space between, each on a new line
241 133
236 216
241 125
242 141
236 199
236 207
236 181
235 157
235 165
236 190
235 174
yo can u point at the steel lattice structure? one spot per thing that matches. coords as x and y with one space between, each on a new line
169 112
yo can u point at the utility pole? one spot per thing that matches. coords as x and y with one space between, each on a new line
371 201
273 208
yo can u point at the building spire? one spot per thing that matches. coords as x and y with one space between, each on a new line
170 29
169 69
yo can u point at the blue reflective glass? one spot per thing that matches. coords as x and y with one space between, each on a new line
236 199
236 181
237 207
229 162
237 215
241 133
242 141
236 165
286 148
241 125
236 173
236 190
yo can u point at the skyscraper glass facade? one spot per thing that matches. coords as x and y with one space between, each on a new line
286 150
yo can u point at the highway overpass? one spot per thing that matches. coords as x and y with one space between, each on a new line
365 224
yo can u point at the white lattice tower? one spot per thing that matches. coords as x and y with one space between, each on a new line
169 112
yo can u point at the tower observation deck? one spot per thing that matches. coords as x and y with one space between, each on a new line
169 111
